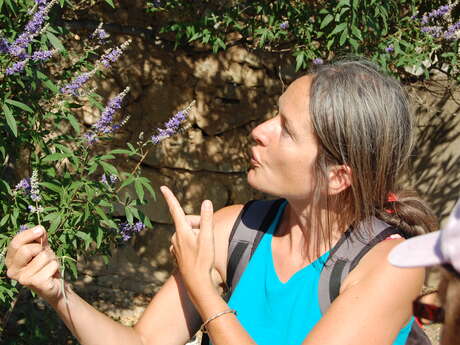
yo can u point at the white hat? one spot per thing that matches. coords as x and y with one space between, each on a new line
440 247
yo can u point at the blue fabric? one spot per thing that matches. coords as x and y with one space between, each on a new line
273 312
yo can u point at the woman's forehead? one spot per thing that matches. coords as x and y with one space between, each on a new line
297 93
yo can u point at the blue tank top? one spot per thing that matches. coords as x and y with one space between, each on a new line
273 312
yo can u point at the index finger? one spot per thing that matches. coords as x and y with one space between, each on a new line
177 213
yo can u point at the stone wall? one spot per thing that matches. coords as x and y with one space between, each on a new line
234 91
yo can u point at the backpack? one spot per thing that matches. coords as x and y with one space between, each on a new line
254 220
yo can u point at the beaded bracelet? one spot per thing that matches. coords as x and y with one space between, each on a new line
215 316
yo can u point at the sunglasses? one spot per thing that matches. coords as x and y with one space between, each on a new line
428 313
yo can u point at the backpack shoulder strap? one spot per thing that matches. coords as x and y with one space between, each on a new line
346 254
252 222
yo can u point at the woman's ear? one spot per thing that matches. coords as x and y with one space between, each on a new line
339 178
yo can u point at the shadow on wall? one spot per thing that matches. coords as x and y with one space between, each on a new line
436 160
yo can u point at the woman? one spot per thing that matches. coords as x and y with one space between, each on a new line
334 152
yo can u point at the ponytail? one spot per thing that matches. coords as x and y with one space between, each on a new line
406 211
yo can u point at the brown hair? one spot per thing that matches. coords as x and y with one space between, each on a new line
449 293
361 119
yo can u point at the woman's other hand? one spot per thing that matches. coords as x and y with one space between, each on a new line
193 244
31 262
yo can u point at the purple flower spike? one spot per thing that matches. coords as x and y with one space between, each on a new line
34 188
42 55
113 55
105 124
172 125
73 87
16 68
318 61
284 25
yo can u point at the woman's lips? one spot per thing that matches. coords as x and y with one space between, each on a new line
254 160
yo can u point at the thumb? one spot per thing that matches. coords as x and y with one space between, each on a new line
206 221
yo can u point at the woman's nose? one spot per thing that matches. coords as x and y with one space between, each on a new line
260 133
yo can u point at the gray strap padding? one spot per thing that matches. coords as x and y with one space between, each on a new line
247 231
345 256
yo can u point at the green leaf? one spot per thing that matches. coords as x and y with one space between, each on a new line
56 42
129 214
99 236
19 105
4 219
128 181
48 83
139 189
326 21
149 188
343 37
121 152
55 157
338 28
110 2
108 168
10 119
101 212
74 123
356 32
55 224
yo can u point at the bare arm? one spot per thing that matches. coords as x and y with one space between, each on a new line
374 304
170 317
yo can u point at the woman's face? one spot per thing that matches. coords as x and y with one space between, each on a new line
286 148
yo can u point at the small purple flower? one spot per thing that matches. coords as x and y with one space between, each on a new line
42 3
23 227
156 3
172 125
105 123
42 55
100 34
127 230
284 25
23 185
16 68
390 49
113 178
318 61
4 46
33 209
90 137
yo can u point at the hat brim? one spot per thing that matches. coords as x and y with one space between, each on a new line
419 251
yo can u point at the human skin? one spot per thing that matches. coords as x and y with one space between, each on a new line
374 301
